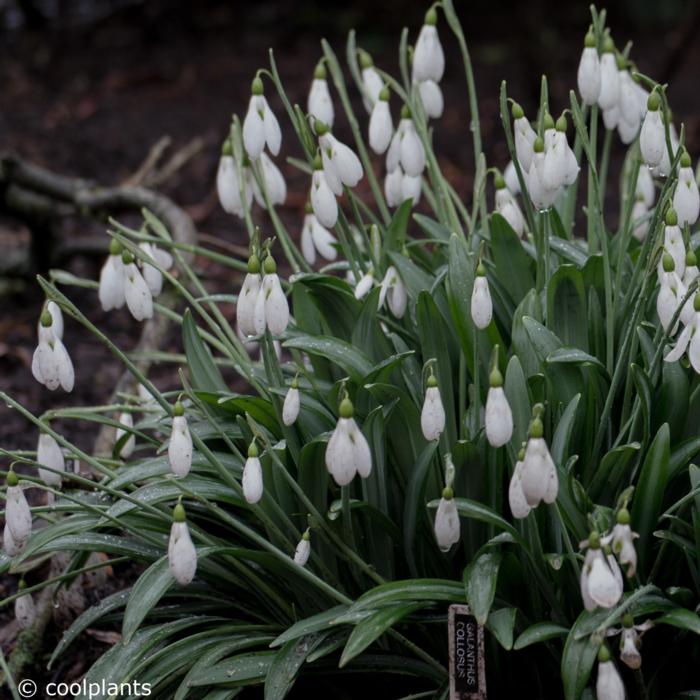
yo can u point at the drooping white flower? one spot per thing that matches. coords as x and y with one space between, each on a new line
271 306
303 550
588 75
228 186
182 555
498 418
381 126
139 299
319 104
292 404
691 269
542 196
411 188
341 165
559 169
347 452
428 56
127 449
273 181
673 244
393 187
50 455
432 417
516 497
372 82
323 200
364 284
539 478
180 445
689 340
652 138
608 685
25 610
686 199
406 149
609 94
640 218
507 206
245 305
18 516
481 304
260 126
601 579
393 291
111 289
431 98
645 186
632 107
12 548
663 169
671 293
524 138
510 176
151 274
315 237
622 542
252 481
447 525
630 640
51 363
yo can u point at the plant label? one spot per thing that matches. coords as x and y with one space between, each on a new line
467 659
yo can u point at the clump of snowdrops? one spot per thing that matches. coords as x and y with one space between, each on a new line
447 400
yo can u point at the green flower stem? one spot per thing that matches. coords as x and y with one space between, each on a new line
573 556
591 152
569 212
604 163
239 155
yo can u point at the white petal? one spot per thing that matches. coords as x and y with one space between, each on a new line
25 611
537 471
603 586
645 186
347 164
11 547
290 409
227 186
481 306
609 685
588 76
362 455
273 134
447 525
652 138
340 458
302 552
323 200
252 480
393 187
254 128
364 285
324 240
428 56
516 498
127 420
137 294
111 289
432 417
66 373
373 84
381 127
412 152
432 99
308 248
320 105
49 454
180 447
245 306
182 555
681 345
276 306
18 516
686 199
609 82
498 418
411 188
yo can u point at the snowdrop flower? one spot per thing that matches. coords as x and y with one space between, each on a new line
347 452
320 104
381 126
664 167
560 164
303 550
691 269
18 517
180 445
498 416
524 137
364 284
428 56
601 579
542 196
516 497
548 131
609 94
50 455
432 417
111 289
611 118
538 476
372 82
510 176
25 610
671 293
273 181
645 186
481 305
139 299
393 290
151 274
507 207
431 98
292 401
447 525
56 318
252 481
622 541
652 138
182 555
631 640
260 126
51 363
411 188
406 149
588 76
341 165
315 237
673 243
393 187
127 420
632 105
323 200
608 685
271 307
686 199
640 219
245 305
689 340
228 186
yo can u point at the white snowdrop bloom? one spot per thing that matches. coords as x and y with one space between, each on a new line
260 126
274 183
601 580
303 550
323 200
347 452
319 104
691 269
252 481
588 75
671 293
652 138
645 186
428 56
271 306
25 610
56 319
542 197
51 363
631 111
182 555
50 455
629 648
180 445
245 305
371 82
18 517
340 163
432 417
111 289
609 94
139 299
393 291
411 188
228 183
151 274
447 525
622 542
673 243
127 420
498 418
609 685
640 219
627 132
292 404
381 126
686 199
431 98
411 153
481 305
315 237
516 497
539 478
549 131
524 137
611 117
556 159
12 548
393 187
364 285
689 340
510 176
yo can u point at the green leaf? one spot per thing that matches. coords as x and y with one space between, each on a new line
286 664
500 624
566 307
562 435
204 374
309 625
681 618
518 397
346 356
579 656
539 632
395 236
477 511
246 669
480 579
430 589
513 264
